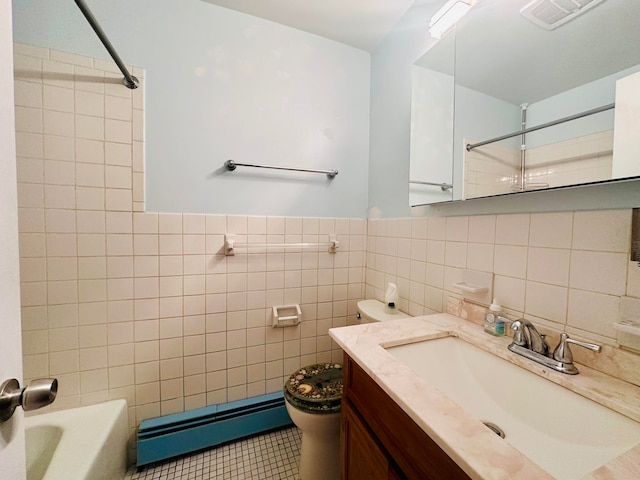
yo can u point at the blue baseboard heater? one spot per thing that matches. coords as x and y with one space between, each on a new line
180 433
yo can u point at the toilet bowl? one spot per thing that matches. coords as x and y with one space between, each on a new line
313 395
370 311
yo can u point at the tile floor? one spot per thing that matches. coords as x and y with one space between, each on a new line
273 455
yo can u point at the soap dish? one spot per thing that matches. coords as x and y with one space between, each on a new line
470 287
628 326
475 285
628 334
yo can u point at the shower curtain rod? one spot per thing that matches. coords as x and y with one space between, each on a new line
471 146
129 80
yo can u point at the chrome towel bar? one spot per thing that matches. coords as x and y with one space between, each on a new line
231 166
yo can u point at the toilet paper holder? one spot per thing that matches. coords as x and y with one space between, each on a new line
286 315
37 394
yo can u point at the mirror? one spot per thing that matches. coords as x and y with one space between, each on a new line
506 71
432 124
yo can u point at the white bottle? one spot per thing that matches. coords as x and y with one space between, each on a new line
493 320
391 298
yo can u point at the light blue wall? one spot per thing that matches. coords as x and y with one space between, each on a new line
390 126
205 104
223 85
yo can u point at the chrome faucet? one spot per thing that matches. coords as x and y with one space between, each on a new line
530 343
526 335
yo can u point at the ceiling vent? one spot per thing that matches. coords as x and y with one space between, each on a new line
550 14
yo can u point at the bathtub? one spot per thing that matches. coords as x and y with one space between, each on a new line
79 443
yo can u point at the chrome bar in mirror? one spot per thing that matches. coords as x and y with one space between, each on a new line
471 146
443 186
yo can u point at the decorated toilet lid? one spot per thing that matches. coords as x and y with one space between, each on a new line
315 388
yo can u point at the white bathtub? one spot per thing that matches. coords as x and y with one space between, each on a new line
79 443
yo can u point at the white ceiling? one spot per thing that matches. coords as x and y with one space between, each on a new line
497 51
359 23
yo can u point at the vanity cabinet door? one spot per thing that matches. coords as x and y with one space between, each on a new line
363 459
410 453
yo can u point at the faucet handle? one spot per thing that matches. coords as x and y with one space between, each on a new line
518 333
563 354
545 344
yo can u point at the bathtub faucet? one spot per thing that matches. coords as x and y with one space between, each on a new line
37 394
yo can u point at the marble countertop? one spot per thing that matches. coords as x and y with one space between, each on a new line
477 450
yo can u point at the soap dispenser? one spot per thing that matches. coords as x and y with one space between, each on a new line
493 320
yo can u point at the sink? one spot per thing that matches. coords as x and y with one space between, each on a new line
564 433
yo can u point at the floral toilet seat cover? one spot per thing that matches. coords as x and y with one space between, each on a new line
315 388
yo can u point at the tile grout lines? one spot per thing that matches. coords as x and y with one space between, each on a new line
274 455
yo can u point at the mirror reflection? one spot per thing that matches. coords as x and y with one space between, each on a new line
432 114
522 64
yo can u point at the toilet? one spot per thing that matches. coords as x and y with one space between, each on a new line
313 395
371 311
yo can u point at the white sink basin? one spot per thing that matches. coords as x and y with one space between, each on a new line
564 433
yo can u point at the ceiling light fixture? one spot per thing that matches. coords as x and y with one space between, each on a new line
448 15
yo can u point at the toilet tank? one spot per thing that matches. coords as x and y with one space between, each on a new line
370 311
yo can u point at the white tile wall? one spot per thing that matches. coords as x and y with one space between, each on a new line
118 303
122 303
567 270
489 170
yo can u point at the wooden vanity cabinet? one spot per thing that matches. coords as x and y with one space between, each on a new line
380 441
